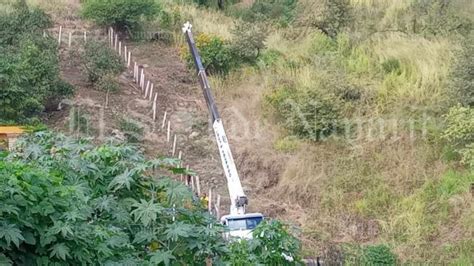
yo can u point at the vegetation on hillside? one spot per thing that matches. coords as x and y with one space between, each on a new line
66 201
29 71
366 96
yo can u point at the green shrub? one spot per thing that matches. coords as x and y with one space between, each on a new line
269 58
463 73
248 41
99 61
281 12
272 244
72 203
216 55
120 14
132 130
378 255
459 132
30 78
332 16
308 113
391 65
437 17
22 21
108 83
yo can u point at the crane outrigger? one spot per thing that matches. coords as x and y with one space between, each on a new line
239 223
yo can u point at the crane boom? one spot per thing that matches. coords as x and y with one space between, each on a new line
237 196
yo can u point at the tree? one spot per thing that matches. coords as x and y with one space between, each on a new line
29 66
120 14
248 40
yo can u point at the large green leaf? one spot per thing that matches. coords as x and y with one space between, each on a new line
11 233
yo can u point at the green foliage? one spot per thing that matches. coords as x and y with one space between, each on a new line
22 21
248 41
216 55
308 113
99 61
29 71
132 129
272 244
459 129
66 201
120 14
281 12
463 73
391 65
437 17
378 255
333 16
108 83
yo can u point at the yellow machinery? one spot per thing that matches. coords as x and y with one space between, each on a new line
9 135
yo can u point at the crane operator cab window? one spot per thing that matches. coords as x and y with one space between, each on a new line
244 222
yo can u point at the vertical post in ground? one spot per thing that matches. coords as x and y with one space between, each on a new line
120 48
209 207
198 185
111 37
146 90
154 107
164 119
151 91
142 79
129 59
125 54
85 36
168 132
60 34
116 42
192 183
218 206
135 71
69 40
175 139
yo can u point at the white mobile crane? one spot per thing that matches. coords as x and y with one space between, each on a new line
237 221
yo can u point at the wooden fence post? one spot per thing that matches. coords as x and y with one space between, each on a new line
70 40
151 91
60 35
164 119
120 48
210 201
146 90
175 139
125 54
116 42
218 206
154 106
129 58
198 186
168 136
85 36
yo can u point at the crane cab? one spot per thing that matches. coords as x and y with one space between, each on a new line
241 225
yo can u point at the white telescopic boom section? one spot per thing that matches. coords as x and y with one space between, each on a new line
236 192
237 196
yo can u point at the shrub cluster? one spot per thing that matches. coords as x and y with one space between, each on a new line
459 132
308 113
248 41
280 12
216 54
120 14
100 62
29 71
67 202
